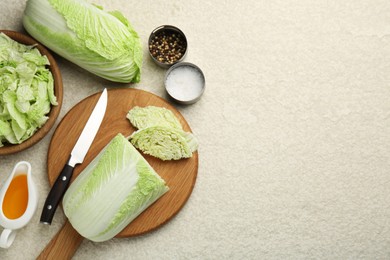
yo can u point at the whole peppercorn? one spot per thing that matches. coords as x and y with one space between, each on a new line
167 46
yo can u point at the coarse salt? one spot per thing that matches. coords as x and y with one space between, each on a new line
185 83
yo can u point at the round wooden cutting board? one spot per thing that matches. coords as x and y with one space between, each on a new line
180 175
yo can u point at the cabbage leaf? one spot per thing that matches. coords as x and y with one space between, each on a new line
165 143
143 117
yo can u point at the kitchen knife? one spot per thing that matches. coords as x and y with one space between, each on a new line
76 157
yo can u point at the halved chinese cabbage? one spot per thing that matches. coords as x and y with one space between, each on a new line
112 190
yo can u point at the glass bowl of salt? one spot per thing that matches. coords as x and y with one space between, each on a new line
185 83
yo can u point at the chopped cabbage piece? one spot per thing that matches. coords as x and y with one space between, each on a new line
143 117
164 143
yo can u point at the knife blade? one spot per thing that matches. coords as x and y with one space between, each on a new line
76 157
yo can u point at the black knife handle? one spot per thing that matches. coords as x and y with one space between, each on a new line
56 193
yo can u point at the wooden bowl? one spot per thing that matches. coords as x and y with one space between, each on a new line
54 111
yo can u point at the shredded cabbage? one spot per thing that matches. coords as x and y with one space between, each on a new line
160 133
103 43
111 191
26 91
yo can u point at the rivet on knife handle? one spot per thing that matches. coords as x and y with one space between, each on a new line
76 156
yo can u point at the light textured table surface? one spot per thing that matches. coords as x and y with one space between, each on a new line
294 131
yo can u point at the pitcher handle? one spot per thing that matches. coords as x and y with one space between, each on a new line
7 238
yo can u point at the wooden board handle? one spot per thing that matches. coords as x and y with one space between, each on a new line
63 245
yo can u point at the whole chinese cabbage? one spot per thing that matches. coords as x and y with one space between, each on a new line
103 43
117 186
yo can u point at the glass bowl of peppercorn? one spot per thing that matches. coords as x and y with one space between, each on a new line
167 45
